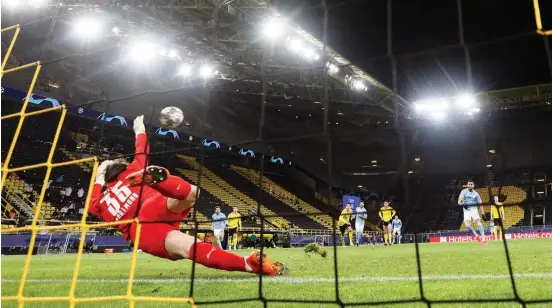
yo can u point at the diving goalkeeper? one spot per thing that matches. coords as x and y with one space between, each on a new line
164 198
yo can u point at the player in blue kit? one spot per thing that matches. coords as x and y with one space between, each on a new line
396 224
470 200
359 222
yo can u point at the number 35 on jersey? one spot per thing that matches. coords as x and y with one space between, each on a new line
118 199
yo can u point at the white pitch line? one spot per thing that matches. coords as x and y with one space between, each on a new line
290 280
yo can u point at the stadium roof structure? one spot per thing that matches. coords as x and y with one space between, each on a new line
187 26
196 33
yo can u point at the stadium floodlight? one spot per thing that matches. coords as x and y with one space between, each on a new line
142 51
88 28
417 159
295 45
116 30
437 115
173 54
309 53
436 109
472 111
465 101
273 28
185 70
359 85
332 68
206 71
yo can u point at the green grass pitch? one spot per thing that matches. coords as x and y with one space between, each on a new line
451 271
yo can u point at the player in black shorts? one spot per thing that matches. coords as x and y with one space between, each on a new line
344 223
386 213
234 226
232 231
344 229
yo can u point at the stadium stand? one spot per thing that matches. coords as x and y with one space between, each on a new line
269 200
305 193
223 186
285 196
225 192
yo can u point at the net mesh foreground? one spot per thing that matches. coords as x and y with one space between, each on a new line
129 296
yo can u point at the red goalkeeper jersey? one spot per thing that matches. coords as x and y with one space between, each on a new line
119 201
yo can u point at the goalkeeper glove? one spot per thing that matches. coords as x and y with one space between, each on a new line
100 172
138 126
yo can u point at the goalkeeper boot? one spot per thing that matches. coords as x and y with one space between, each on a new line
269 267
151 175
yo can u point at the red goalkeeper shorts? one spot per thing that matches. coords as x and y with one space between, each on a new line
152 235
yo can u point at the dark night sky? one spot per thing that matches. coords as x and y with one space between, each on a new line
358 30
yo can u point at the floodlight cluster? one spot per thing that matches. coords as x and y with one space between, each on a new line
145 50
332 68
356 83
142 51
205 71
88 28
439 109
302 49
276 27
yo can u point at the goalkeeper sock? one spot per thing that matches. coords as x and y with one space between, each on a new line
495 231
215 257
385 236
499 233
350 239
174 187
235 242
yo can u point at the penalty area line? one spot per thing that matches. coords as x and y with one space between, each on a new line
291 280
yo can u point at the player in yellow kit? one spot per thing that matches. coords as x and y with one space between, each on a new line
345 224
234 225
386 213
497 216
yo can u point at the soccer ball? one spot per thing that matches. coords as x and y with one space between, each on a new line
171 117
